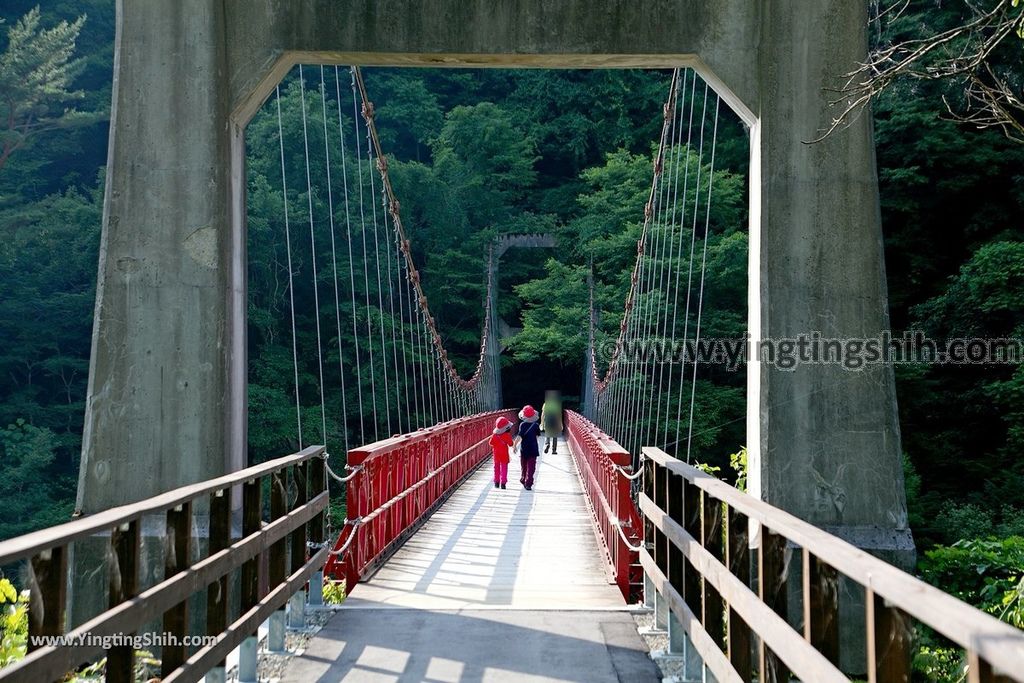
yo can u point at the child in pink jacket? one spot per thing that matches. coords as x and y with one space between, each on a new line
501 441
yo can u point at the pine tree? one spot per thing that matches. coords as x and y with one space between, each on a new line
36 72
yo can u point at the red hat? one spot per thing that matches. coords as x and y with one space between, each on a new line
502 425
528 414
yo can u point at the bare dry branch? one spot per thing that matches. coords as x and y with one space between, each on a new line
964 53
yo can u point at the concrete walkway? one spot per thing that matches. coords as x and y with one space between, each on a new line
497 585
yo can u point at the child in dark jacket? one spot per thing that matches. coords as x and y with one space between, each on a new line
501 441
529 430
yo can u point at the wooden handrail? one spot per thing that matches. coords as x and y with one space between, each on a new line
806 662
50 663
206 658
988 642
130 609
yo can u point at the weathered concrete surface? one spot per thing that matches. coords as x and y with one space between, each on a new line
467 645
829 437
266 36
827 441
159 382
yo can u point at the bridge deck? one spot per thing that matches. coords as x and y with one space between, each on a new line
496 585
492 548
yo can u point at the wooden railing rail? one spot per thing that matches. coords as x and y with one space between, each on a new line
703 573
295 524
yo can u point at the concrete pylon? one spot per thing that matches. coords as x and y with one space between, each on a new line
166 402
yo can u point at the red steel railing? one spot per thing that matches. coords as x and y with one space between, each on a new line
397 482
606 470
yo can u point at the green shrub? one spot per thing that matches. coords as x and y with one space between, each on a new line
13 623
1012 523
147 668
334 592
940 664
988 574
985 573
738 462
34 496
336 512
713 470
960 522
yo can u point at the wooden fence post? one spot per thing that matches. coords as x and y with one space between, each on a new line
738 561
179 546
772 588
220 538
48 596
124 584
711 539
821 606
889 641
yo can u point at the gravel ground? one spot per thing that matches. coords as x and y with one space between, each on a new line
671 667
272 665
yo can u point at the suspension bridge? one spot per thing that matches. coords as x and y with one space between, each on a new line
448 577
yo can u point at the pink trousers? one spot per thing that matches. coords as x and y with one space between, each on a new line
500 472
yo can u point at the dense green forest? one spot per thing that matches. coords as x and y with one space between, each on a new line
483 174
475 154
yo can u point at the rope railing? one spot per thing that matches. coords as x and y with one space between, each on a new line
630 476
630 544
353 471
343 548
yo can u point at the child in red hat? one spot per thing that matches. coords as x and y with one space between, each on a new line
529 430
501 441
